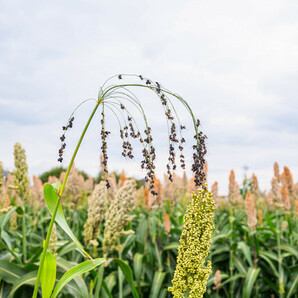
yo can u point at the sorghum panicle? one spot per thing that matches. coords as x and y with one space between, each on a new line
191 275
117 217
21 179
97 204
251 212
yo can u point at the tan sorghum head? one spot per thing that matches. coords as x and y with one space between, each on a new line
285 197
217 280
234 195
251 212
287 180
276 194
255 186
276 172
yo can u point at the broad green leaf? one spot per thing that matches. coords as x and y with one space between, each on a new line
141 232
108 284
74 272
107 292
99 281
250 279
172 245
153 222
4 218
264 257
51 198
293 287
290 249
79 281
137 265
48 275
240 265
233 278
246 250
27 279
157 284
127 272
10 272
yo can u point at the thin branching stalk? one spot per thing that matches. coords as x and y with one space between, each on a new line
46 244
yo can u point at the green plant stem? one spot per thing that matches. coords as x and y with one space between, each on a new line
231 263
120 278
46 244
280 281
24 237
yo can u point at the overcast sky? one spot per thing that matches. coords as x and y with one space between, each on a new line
235 62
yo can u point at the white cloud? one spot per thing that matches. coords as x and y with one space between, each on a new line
234 61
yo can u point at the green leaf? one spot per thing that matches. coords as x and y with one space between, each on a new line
10 272
157 284
263 256
51 198
107 290
172 245
290 249
48 275
99 281
234 277
180 219
79 281
246 251
250 279
293 287
27 279
74 272
128 275
137 265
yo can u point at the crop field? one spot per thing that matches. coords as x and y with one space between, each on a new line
253 248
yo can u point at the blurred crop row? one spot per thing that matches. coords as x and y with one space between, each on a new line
253 250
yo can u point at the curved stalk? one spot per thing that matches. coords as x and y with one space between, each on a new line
46 243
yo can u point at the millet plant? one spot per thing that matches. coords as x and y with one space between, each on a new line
116 95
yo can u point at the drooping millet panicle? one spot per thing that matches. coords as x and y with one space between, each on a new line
62 138
113 95
250 210
117 217
20 174
97 204
190 274
104 134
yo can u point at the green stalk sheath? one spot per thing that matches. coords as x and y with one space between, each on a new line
46 244
231 261
24 237
280 281
120 278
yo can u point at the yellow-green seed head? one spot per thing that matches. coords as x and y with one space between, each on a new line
117 216
21 179
191 275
